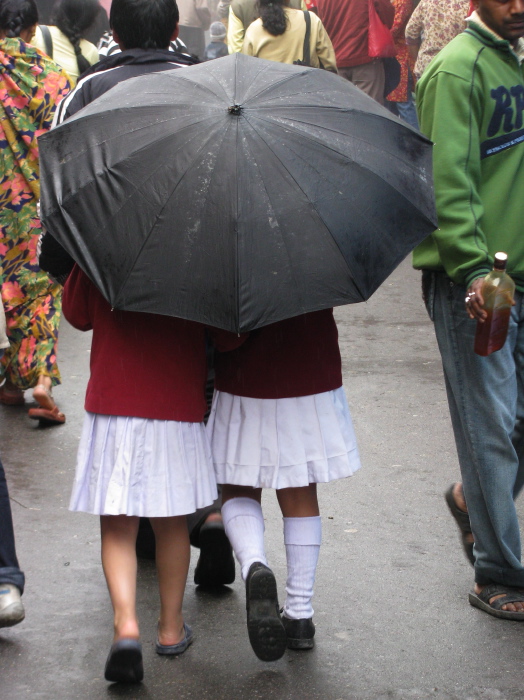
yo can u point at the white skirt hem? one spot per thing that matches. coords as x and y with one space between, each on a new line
282 443
142 467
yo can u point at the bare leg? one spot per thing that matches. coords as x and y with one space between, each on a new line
119 562
172 562
231 491
299 502
42 393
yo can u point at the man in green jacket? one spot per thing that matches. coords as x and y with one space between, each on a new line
471 104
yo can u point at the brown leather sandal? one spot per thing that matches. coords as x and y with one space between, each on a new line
46 416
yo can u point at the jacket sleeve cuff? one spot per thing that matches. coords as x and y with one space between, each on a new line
475 274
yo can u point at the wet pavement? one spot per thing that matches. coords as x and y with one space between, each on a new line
393 620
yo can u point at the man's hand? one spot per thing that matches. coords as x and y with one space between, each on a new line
475 301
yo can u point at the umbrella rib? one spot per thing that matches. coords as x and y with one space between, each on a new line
309 138
89 146
305 195
166 202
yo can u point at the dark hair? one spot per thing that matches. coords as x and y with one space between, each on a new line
17 15
273 17
144 24
73 18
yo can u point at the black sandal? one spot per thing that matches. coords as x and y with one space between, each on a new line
509 595
462 520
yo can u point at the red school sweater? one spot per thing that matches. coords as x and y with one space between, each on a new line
142 365
296 357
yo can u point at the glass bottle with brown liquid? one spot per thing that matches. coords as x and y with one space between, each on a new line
498 290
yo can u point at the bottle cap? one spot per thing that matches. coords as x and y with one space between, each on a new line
500 261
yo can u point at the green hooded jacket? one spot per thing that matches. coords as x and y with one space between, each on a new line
470 102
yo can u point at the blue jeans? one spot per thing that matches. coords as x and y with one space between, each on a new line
9 569
486 403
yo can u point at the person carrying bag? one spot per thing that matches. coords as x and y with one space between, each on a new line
289 36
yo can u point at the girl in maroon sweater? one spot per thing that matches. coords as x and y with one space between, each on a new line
143 452
280 420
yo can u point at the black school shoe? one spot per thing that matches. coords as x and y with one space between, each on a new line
266 631
124 663
215 566
300 633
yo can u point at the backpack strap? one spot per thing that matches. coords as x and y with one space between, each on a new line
48 40
306 57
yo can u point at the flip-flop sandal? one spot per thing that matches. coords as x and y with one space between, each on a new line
124 663
11 398
47 417
176 649
464 525
509 595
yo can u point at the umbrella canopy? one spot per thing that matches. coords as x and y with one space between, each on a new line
237 193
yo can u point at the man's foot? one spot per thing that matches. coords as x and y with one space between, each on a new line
266 632
216 565
457 505
11 607
300 633
500 601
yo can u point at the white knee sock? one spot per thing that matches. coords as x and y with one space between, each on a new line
302 537
244 524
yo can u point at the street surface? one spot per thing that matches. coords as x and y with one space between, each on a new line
391 609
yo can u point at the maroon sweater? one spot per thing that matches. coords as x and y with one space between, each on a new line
142 365
296 357
347 22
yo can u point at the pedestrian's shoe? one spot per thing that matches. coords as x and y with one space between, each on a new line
300 633
216 565
266 631
124 663
11 397
11 607
176 649
46 416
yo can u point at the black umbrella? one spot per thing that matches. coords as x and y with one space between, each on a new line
236 193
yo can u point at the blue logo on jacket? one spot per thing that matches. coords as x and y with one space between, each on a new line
508 116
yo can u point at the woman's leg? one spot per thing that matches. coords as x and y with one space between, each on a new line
302 537
172 562
244 524
119 562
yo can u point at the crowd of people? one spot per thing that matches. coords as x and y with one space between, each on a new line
148 464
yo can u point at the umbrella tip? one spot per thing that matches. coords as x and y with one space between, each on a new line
235 109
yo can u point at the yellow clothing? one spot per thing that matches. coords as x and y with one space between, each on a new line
63 51
236 30
289 47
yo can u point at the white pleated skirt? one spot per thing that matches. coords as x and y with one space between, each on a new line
282 443
137 466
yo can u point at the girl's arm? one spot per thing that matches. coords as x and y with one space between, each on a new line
75 300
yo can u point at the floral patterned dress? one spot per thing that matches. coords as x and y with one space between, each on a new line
403 10
31 85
